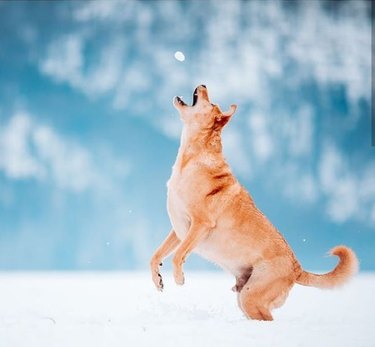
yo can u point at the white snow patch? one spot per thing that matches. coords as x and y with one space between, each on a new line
124 309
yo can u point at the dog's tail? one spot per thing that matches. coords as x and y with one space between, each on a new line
345 269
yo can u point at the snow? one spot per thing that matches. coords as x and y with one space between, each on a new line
124 309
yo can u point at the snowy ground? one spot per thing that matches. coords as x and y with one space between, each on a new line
124 309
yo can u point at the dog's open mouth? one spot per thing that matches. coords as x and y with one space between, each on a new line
195 96
195 99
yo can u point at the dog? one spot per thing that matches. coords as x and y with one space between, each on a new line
214 216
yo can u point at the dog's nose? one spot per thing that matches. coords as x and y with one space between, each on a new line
202 85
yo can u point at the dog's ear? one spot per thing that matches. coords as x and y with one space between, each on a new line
231 111
223 118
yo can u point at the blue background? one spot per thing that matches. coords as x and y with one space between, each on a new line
88 133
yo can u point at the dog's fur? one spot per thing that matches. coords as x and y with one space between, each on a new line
214 216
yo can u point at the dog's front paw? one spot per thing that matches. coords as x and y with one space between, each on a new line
156 277
179 278
158 281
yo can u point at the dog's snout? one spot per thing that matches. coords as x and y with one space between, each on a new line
202 91
178 100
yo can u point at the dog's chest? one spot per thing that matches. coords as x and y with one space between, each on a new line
187 187
178 206
182 191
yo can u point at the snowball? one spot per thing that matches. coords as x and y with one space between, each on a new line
179 56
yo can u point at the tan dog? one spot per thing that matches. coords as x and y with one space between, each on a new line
214 216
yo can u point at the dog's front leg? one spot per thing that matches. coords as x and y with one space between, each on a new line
166 248
198 231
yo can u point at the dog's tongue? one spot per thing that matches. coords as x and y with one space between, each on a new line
195 96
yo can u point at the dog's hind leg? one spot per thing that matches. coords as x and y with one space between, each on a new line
265 290
242 279
252 303
166 248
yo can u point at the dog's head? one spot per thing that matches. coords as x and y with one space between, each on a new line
202 114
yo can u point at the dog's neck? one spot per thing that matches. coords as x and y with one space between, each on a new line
203 146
